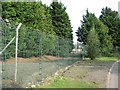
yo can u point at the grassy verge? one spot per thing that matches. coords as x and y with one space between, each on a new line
99 61
107 58
65 82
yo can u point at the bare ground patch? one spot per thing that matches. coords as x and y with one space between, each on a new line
32 59
90 71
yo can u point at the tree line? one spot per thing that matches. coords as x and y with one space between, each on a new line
45 29
101 36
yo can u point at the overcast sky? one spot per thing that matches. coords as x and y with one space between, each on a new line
77 8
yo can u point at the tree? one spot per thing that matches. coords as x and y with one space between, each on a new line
36 36
93 44
61 23
88 21
105 40
112 21
34 15
60 20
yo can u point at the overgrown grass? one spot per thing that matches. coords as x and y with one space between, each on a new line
65 82
99 61
107 58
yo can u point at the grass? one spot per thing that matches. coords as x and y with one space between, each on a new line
99 61
65 82
107 58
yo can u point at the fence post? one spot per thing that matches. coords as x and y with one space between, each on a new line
16 51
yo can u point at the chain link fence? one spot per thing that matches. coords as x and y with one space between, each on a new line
40 55
0 48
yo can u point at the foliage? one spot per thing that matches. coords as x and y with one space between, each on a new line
36 36
105 39
85 51
32 14
60 20
32 42
61 23
93 44
112 21
82 32
2 38
88 21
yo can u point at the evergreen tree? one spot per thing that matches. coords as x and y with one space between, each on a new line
111 20
60 20
36 36
105 40
61 24
32 14
88 21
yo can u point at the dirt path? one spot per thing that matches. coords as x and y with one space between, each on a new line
92 72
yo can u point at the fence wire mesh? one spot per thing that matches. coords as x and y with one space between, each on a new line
40 55
1 47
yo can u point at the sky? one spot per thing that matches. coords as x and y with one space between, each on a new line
77 8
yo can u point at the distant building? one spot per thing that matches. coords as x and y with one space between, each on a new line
77 47
55 0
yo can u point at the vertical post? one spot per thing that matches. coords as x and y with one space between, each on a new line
58 46
41 45
16 51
